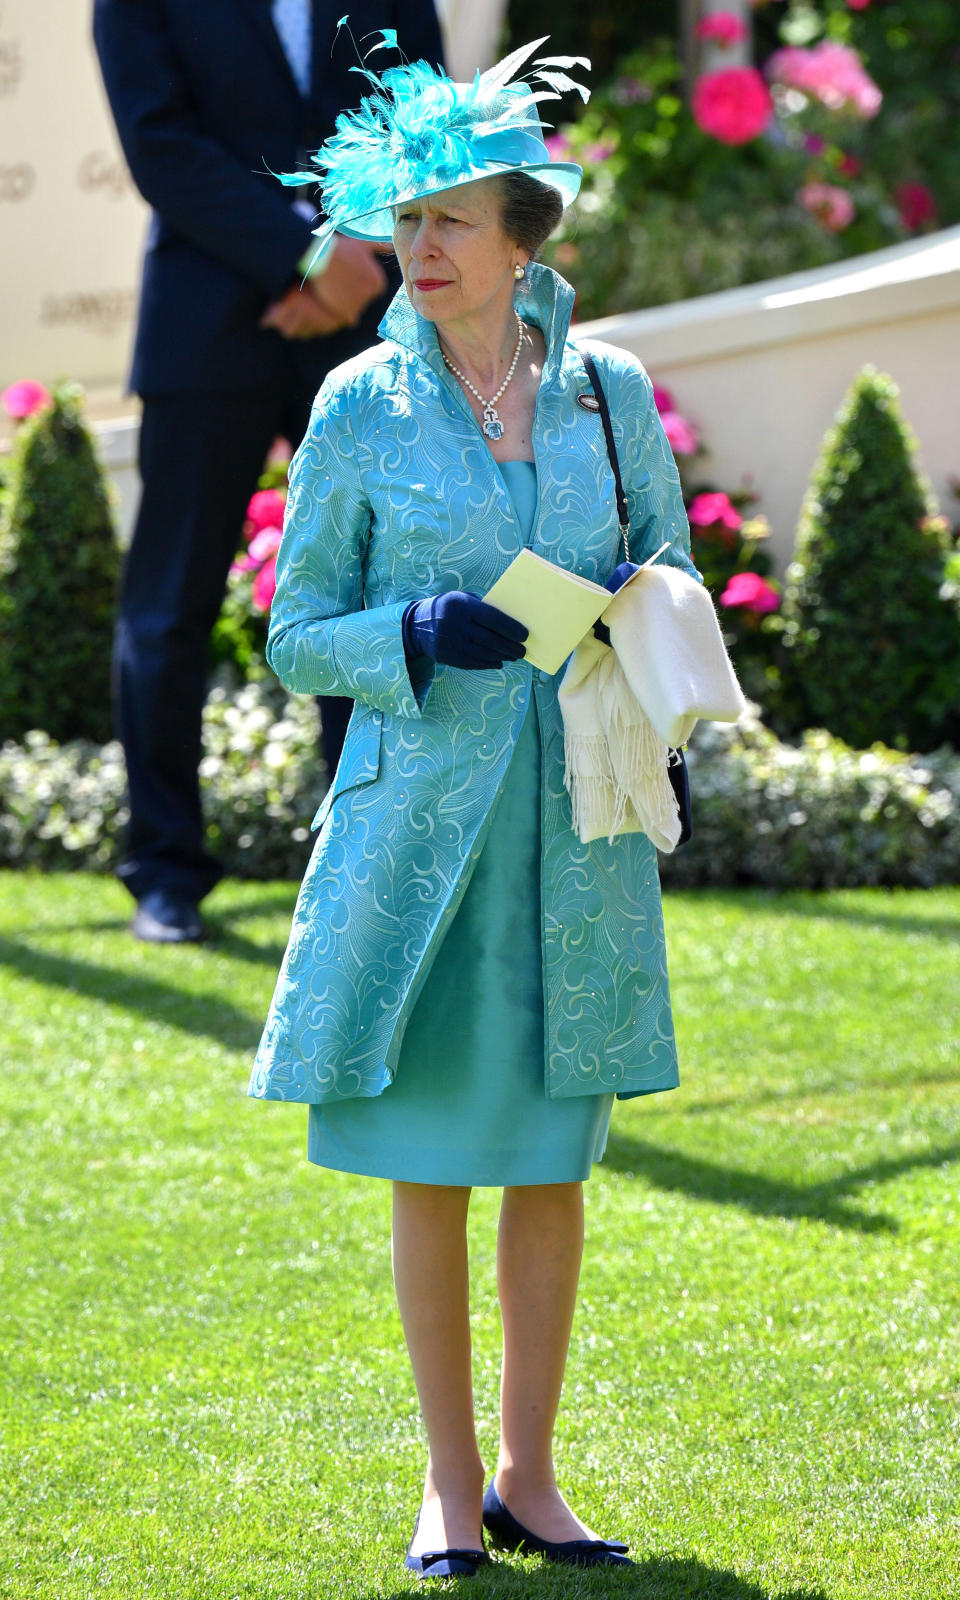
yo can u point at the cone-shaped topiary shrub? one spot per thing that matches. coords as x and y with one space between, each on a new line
58 580
872 647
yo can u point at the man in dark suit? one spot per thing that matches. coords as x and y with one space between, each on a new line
209 98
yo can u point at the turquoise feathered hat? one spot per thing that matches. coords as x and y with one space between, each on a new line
420 132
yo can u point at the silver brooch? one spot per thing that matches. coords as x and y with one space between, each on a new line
589 402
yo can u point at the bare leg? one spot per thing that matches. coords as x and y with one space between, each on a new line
430 1274
538 1267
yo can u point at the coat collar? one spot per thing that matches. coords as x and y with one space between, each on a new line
546 301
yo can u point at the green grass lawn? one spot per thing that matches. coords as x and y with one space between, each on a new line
204 1391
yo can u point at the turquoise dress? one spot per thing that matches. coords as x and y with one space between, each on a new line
468 1104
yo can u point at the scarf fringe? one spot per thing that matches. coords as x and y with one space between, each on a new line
616 776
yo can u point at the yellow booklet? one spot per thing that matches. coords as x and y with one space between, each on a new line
558 607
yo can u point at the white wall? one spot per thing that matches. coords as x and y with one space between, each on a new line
71 221
762 369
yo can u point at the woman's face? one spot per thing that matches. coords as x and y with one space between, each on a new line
455 257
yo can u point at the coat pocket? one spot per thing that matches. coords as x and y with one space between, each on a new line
360 762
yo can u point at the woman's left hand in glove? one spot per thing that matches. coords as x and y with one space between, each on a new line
616 580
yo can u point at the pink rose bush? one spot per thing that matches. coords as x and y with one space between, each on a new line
264 511
265 586
715 511
255 569
682 436
751 592
830 73
22 399
724 27
727 551
832 206
734 105
916 205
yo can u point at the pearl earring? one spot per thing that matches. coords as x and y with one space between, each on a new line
518 271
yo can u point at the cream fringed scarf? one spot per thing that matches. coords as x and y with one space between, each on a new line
625 704
615 764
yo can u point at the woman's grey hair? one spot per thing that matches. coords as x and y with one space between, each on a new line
530 210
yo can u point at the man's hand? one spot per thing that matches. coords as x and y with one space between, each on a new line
300 315
337 298
351 280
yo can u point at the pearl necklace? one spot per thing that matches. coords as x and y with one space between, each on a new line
492 426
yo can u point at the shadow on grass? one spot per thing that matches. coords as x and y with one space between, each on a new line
808 1091
880 912
657 1578
676 1172
202 1015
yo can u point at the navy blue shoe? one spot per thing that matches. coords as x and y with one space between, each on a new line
165 918
445 1563
509 1534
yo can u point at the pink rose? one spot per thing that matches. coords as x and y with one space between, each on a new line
733 105
558 147
24 398
723 26
858 5
265 544
280 452
707 509
243 564
663 399
565 253
831 73
916 205
832 207
681 434
753 593
265 586
264 511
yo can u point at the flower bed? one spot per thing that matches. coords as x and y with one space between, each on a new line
838 142
816 816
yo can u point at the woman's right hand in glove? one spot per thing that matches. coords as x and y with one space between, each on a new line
459 629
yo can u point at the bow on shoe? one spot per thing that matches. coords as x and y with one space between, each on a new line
448 1563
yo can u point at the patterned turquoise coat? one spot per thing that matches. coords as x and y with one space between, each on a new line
395 495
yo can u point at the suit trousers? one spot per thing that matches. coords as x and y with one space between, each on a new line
200 457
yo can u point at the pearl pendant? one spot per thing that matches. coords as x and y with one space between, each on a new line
492 426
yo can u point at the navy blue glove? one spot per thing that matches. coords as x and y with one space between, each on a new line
460 630
616 580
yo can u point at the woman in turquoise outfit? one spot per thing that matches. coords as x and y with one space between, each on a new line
467 987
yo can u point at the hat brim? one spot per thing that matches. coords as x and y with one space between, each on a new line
563 176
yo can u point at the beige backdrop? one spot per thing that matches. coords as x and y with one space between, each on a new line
71 223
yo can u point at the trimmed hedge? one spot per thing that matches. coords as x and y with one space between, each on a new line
59 569
818 815
871 634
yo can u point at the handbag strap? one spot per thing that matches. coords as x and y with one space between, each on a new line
623 514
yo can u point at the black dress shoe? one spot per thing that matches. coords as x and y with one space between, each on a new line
509 1534
445 1563
164 918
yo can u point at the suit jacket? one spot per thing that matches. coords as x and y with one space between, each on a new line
395 495
205 103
